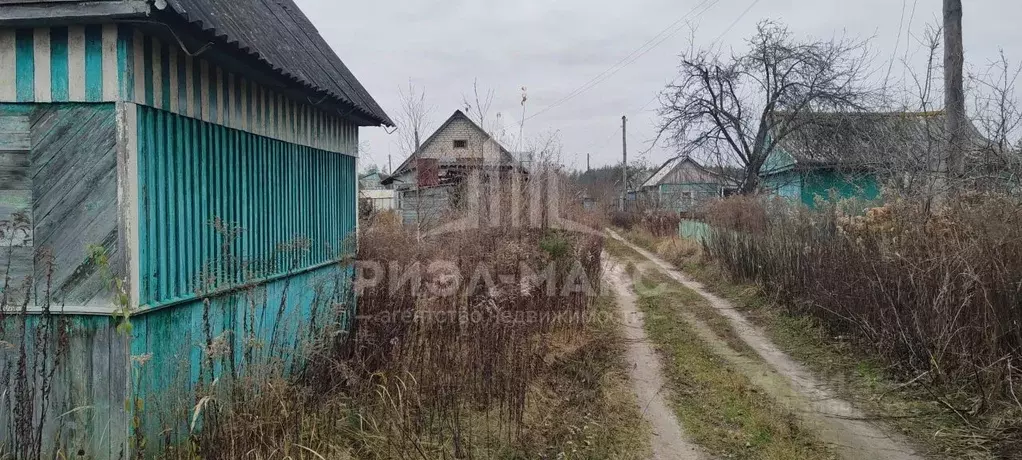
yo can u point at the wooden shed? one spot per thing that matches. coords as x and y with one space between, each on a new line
178 197
681 184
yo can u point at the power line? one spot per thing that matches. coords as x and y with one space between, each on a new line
734 23
657 94
642 50
713 44
897 42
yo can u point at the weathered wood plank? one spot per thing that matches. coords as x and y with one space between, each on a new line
14 168
18 12
75 197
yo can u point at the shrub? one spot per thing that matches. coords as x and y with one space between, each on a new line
935 295
661 224
623 220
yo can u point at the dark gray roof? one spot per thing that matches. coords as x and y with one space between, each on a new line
277 33
862 139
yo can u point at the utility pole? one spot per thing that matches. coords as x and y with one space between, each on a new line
587 163
624 161
954 92
390 166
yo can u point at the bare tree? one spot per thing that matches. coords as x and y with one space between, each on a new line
414 117
740 106
995 105
997 115
477 105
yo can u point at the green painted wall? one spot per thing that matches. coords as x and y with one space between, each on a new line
83 361
822 184
252 333
826 184
219 207
247 209
787 184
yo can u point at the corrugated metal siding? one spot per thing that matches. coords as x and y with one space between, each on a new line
271 193
107 63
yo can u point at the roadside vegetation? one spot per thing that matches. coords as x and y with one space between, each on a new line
460 349
910 315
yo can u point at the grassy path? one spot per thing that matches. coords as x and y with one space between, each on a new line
719 406
746 350
669 441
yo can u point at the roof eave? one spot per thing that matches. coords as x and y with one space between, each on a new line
58 13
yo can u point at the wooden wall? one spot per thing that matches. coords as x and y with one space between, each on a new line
59 166
109 63
208 143
16 250
249 335
83 361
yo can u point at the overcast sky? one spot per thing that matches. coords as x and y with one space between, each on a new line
554 47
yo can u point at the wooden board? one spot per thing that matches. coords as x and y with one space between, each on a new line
15 197
74 189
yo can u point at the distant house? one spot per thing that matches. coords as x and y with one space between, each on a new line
374 195
852 155
681 184
372 181
430 181
178 174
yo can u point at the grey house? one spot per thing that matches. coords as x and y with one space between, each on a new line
431 181
681 184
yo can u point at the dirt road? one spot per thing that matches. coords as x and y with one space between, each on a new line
835 420
669 440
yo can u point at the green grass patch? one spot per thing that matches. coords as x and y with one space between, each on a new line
718 406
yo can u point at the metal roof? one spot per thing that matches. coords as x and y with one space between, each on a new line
280 35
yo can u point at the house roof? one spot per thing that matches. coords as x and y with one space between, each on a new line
863 139
271 33
409 164
672 164
277 33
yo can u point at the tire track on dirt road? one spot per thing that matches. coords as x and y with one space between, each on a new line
669 439
836 421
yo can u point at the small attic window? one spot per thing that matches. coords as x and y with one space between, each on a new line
460 144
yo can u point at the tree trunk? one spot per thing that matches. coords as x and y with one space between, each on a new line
751 185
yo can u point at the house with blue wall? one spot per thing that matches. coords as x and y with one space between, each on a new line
681 185
852 155
178 203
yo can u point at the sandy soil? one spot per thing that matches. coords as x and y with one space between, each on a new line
836 421
669 440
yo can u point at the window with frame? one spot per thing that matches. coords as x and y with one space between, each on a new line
460 144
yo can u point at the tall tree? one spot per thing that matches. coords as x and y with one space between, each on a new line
739 106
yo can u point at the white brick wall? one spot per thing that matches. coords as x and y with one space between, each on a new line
479 145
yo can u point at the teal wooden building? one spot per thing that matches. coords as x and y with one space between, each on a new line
850 155
682 185
177 204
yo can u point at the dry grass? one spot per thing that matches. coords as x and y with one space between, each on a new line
908 314
470 357
719 406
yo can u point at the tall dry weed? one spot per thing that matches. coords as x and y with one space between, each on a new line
936 295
